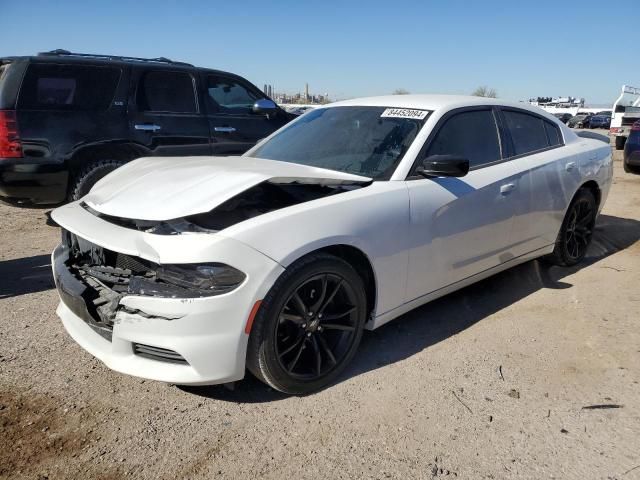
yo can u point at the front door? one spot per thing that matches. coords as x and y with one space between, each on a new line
166 116
233 125
462 226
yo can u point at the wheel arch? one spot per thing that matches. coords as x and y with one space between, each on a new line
361 263
594 188
123 151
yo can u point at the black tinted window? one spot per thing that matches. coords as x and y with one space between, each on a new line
167 92
472 135
553 134
527 132
68 87
227 95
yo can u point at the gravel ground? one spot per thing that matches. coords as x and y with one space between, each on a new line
490 382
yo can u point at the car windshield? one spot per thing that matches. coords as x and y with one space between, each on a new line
367 141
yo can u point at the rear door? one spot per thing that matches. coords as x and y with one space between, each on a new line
552 174
165 113
233 125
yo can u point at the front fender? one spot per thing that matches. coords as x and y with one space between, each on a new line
373 219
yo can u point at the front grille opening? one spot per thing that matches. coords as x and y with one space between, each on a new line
158 354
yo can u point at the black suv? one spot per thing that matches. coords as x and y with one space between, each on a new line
68 119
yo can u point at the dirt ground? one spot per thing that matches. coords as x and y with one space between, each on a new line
492 382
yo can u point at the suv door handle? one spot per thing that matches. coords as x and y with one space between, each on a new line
507 189
570 166
225 129
147 127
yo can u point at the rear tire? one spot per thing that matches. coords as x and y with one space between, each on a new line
620 141
576 231
309 325
89 175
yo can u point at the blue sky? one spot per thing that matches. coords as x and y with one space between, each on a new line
522 49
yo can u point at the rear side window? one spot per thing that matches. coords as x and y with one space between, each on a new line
227 95
553 134
3 72
68 87
472 135
167 92
527 131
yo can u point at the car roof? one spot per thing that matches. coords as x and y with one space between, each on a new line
107 60
434 102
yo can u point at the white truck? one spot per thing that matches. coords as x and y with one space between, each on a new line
626 111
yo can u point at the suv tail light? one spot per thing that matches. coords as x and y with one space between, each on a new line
10 145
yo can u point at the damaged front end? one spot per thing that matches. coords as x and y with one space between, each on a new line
92 280
260 199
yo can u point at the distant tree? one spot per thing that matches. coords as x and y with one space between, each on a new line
400 91
485 91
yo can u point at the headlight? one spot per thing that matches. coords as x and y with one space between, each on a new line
210 277
188 281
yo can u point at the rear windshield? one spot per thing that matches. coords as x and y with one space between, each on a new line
68 87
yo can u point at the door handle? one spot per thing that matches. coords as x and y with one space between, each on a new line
507 189
147 127
225 129
570 166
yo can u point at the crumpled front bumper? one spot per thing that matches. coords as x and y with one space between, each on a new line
189 341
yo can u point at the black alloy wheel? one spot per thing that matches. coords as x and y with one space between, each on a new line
309 326
576 231
316 327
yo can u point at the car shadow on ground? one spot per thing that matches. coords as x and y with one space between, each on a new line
449 315
21 276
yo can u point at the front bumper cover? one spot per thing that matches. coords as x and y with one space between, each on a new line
206 335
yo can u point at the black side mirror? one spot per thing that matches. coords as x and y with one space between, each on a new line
443 166
264 106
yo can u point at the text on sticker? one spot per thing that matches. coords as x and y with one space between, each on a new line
404 113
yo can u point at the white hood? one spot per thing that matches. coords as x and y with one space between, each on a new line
163 188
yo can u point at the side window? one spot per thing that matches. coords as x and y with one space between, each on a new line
553 134
527 131
227 95
472 135
68 87
161 91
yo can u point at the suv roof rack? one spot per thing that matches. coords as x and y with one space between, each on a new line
66 53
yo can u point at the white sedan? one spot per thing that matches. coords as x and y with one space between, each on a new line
191 270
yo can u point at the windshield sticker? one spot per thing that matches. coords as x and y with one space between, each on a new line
404 113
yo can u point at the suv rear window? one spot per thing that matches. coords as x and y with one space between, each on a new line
3 71
167 92
68 87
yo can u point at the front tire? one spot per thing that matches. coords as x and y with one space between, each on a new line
309 325
576 231
89 175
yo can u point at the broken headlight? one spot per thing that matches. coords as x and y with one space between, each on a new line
188 281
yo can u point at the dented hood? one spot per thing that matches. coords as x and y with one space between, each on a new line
163 188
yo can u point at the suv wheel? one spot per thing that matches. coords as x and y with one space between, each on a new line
309 325
620 141
89 175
